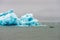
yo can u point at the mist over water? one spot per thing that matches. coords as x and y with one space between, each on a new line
40 8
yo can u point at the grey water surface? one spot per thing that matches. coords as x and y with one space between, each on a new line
31 33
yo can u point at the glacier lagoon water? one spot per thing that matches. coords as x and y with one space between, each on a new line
9 18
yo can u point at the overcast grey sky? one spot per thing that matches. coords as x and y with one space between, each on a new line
40 8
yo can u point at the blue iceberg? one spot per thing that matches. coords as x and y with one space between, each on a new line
29 20
9 18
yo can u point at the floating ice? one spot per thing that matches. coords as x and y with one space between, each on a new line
9 18
29 20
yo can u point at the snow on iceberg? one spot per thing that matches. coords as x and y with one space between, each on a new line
9 18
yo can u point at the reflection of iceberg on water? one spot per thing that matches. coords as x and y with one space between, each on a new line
9 18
